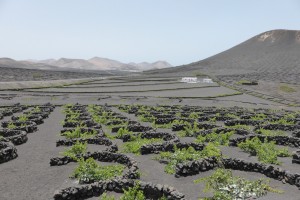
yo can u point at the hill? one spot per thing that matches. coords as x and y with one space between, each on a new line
275 52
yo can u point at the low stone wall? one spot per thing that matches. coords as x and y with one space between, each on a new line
7 151
195 167
164 120
268 170
243 122
99 132
296 134
206 126
151 134
38 119
279 140
42 84
103 156
18 139
151 191
169 146
87 123
296 157
29 127
95 140
133 128
282 127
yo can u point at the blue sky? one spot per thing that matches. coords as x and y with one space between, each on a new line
178 31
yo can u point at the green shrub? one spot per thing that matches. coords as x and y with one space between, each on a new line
189 129
135 145
227 187
265 151
270 132
231 115
76 149
76 133
194 115
217 138
104 196
89 171
187 154
35 109
123 131
23 118
11 125
283 121
146 117
132 193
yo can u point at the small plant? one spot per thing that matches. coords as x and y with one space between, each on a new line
270 132
136 143
217 138
132 193
283 121
23 118
36 109
265 151
194 115
187 154
77 149
76 133
105 196
227 187
11 125
146 117
123 131
89 171
259 116
189 129
231 115
213 120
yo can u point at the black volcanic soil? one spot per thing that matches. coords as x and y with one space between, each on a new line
18 74
30 176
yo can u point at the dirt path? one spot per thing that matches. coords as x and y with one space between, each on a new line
30 176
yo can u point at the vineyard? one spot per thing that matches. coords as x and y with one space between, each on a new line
140 151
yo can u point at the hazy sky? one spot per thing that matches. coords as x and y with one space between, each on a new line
178 31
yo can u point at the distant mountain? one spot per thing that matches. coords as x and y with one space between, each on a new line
154 65
98 63
105 63
276 51
8 62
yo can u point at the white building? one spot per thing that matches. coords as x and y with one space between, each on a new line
207 80
189 80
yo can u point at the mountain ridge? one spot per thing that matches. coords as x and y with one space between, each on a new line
95 63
